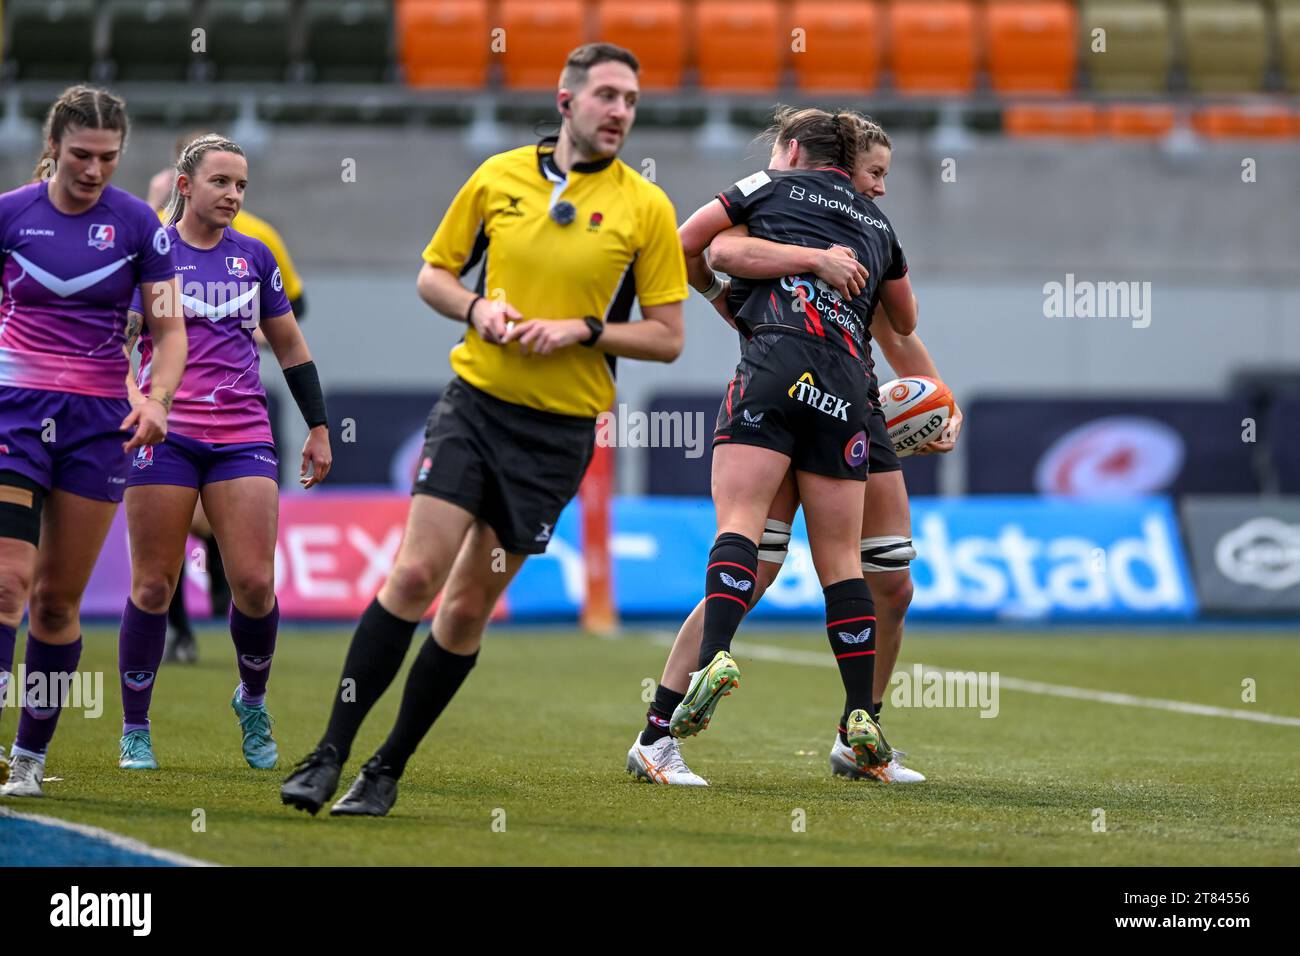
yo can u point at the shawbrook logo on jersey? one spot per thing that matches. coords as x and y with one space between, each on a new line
76 909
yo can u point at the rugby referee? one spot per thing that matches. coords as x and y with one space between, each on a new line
568 235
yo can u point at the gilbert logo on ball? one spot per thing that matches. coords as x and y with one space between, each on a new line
916 411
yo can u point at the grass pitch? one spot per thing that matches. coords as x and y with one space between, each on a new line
526 766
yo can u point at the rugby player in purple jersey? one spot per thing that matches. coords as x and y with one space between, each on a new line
219 447
73 251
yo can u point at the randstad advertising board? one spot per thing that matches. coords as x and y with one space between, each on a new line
1018 558
991 558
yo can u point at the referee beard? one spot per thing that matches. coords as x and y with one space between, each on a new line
509 441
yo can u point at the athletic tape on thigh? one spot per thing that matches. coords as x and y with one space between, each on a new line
888 552
775 543
21 501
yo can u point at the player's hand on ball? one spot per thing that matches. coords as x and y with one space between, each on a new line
490 317
316 457
839 268
149 419
544 336
948 440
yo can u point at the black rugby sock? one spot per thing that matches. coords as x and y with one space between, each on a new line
729 583
660 712
374 658
435 677
851 630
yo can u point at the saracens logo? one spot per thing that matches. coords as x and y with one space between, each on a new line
102 236
143 457
805 391
237 266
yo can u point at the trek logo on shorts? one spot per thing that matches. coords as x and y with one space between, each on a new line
237 266
805 391
752 420
101 236
143 457
859 638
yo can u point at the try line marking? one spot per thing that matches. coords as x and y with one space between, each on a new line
115 840
765 652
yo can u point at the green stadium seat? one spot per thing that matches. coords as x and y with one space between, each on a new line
47 40
248 40
1226 44
1288 39
349 41
151 39
1137 53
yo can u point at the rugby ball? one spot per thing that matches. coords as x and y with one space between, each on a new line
916 411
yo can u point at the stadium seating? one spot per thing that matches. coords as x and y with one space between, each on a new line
349 41
1031 45
655 30
538 36
151 39
933 46
738 44
841 45
1137 52
1288 39
1063 119
1226 45
248 40
1265 121
1137 121
45 41
443 43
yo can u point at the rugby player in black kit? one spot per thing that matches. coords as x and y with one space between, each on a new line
799 398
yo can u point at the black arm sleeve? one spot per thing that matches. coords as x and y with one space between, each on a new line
299 306
304 385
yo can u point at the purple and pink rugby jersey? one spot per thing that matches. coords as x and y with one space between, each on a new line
66 284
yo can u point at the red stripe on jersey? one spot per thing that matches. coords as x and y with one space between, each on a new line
724 200
848 340
832 169
730 386
816 319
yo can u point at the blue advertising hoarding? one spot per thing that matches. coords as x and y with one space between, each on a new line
991 558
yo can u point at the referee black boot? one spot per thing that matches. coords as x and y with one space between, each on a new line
313 780
372 794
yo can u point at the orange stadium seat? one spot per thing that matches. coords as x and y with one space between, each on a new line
841 51
1137 45
738 44
1265 121
655 30
1137 120
1031 45
443 43
932 44
539 35
1226 45
1067 119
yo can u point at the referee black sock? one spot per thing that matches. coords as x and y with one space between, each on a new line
435 677
729 585
851 630
374 658
659 714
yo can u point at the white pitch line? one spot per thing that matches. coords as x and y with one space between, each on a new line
783 655
115 840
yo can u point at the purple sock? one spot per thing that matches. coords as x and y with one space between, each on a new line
46 664
8 638
139 653
255 646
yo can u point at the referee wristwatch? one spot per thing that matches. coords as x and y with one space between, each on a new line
596 326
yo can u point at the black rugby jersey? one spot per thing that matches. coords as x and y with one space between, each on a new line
814 208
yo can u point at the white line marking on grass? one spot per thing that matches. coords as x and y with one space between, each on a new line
115 840
765 652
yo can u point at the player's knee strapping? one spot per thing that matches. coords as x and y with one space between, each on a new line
887 552
729 584
775 543
851 630
21 501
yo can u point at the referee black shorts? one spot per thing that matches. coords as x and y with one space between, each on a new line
511 466
803 397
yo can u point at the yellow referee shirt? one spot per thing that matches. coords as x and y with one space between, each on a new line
621 245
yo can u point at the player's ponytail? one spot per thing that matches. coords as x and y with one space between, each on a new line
83 106
825 139
188 163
